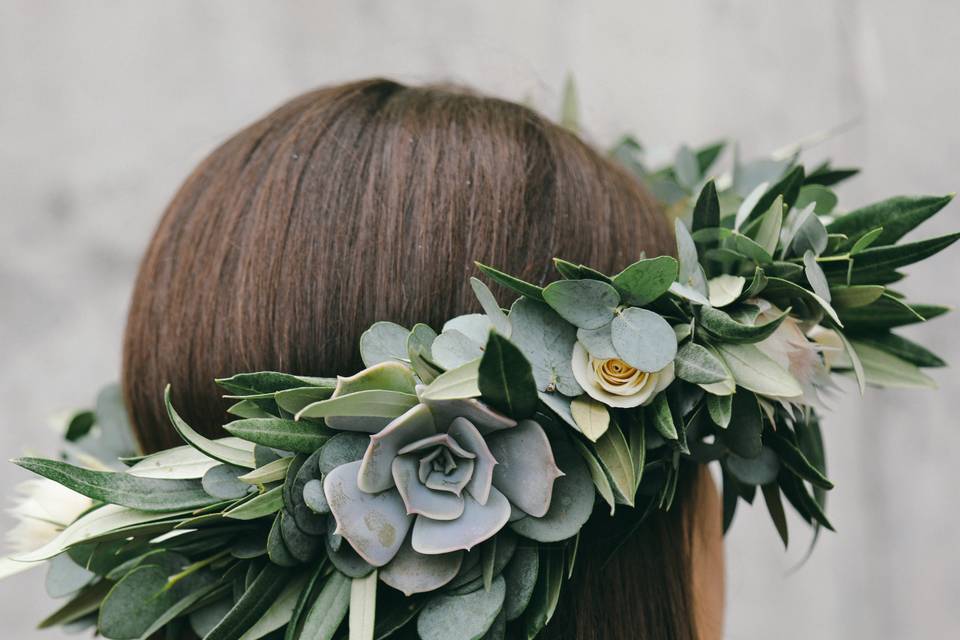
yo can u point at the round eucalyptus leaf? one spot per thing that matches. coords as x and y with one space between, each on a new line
755 471
598 342
222 482
135 602
546 340
464 617
643 339
521 578
588 304
453 348
382 342
64 576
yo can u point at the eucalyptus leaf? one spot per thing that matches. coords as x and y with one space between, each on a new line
464 617
383 342
223 482
743 435
643 339
646 280
491 307
135 602
587 304
762 469
690 274
725 289
546 340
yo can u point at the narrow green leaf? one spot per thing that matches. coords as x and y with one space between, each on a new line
883 369
144 494
363 607
456 384
815 275
506 379
696 364
743 434
254 602
263 505
888 258
720 409
663 418
380 403
287 435
897 216
788 187
793 459
864 241
719 324
598 475
902 348
265 382
706 212
614 454
329 609
854 296
771 496
490 307
519 286
768 232
213 448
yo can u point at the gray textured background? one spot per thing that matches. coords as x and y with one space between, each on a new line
106 106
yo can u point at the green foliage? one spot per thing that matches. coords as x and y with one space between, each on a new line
506 379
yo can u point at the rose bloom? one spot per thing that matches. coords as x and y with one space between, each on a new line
615 383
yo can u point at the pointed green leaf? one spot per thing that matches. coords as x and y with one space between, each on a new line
754 370
646 280
706 212
897 216
591 416
523 288
372 403
288 435
218 450
506 379
883 369
720 409
768 233
696 364
456 384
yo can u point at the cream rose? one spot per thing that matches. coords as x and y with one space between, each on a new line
615 383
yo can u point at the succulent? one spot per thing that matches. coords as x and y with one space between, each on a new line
436 481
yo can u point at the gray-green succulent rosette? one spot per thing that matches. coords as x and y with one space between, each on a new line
440 492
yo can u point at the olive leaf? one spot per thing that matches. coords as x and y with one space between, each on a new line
696 364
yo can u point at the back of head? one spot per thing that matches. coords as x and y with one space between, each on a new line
371 201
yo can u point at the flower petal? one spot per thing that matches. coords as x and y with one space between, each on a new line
585 375
418 499
375 471
485 419
478 523
468 435
412 572
374 524
526 467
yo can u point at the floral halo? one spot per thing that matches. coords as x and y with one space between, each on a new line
443 487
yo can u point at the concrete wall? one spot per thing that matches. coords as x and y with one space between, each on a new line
105 107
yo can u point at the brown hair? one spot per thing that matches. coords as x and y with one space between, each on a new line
370 201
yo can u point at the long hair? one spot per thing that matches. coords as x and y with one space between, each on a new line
371 201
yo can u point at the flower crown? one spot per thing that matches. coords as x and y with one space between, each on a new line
444 487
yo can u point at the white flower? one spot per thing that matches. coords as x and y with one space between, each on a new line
791 349
831 345
43 509
615 383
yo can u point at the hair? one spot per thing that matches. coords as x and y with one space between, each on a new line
370 201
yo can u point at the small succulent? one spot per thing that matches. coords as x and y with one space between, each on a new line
436 481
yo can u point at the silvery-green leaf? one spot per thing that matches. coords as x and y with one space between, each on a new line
135 602
491 307
526 469
476 524
456 384
570 505
179 463
385 376
286 435
754 370
686 168
223 482
591 416
546 341
144 494
768 233
598 342
273 471
64 576
696 364
419 499
588 304
329 609
345 559
452 349
690 273
412 572
824 198
646 280
887 370
314 497
719 408
421 339
600 479
464 617
475 326
688 293
293 400
383 342
363 607
258 507
374 524
760 470
806 231
342 449
279 612
725 289
749 203
217 449
471 439
485 419
780 289
723 326
520 577
306 519
614 454
815 275
375 469
372 403
643 339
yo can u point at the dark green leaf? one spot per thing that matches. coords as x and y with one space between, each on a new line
328 610
287 435
246 384
827 176
706 213
646 280
788 186
771 496
886 312
144 494
135 602
720 409
222 482
252 604
743 435
718 323
903 349
888 258
79 425
897 216
663 417
793 459
854 296
760 470
523 288
213 448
